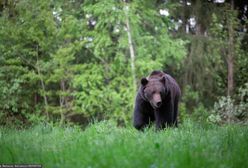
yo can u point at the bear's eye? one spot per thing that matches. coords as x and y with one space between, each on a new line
148 95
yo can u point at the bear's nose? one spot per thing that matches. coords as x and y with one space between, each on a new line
159 104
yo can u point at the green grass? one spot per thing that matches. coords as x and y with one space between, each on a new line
105 145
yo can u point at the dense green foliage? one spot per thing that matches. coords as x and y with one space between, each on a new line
105 145
72 60
60 59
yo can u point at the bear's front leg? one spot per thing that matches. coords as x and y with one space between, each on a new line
141 111
160 120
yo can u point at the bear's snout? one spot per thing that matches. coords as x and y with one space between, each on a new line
157 102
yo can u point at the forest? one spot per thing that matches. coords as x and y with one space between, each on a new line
81 61
70 71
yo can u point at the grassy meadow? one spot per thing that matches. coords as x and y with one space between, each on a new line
103 145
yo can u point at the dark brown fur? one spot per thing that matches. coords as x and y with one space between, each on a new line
157 101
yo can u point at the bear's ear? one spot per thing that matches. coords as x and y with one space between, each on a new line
162 80
144 81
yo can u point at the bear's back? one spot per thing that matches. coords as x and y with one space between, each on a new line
156 75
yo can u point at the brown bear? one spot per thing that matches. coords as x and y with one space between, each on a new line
157 101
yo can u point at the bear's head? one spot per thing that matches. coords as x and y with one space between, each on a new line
154 90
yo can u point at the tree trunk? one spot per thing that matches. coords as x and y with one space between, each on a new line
230 76
62 116
231 55
131 48
63 102
184 17
42 84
